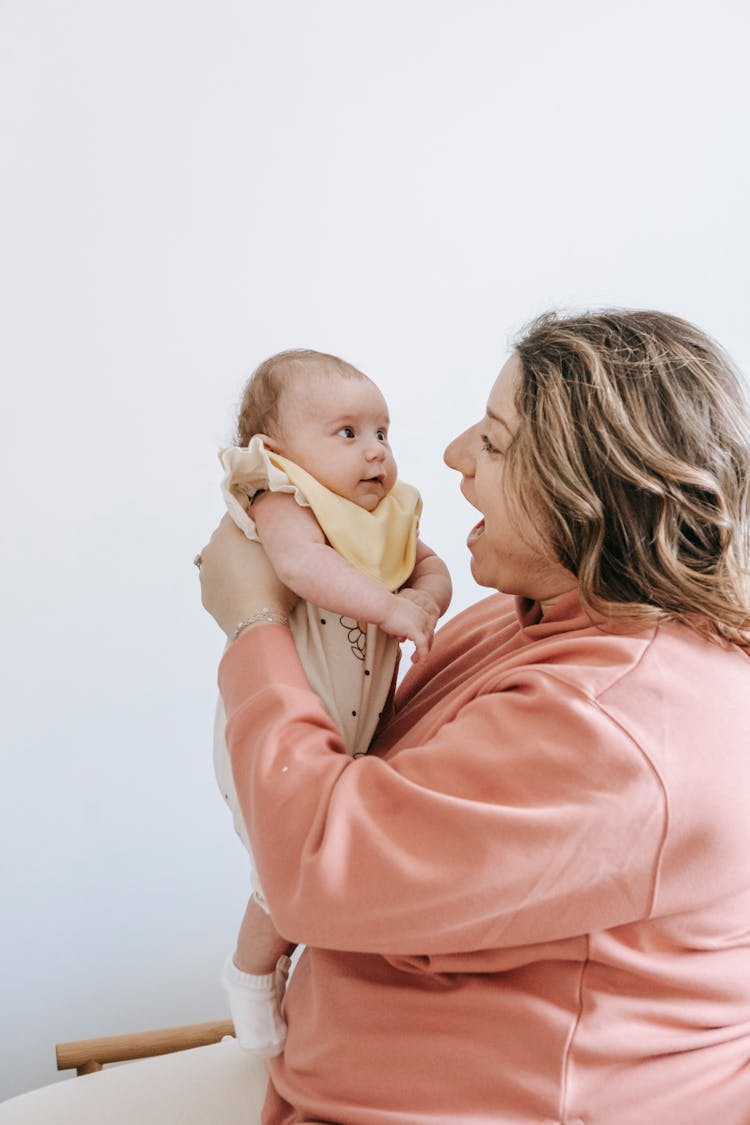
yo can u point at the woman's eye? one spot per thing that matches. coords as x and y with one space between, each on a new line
346 431
487 445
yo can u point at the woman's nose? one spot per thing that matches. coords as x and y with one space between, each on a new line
458 454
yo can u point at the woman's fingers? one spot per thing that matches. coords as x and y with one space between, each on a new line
237 578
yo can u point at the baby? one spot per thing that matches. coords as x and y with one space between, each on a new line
314 479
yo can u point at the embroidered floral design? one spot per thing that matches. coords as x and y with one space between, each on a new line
356 635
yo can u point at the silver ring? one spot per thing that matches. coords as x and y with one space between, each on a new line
197 560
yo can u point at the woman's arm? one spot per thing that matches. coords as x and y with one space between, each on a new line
521 815
525 818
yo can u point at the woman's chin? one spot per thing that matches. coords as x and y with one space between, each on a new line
479 577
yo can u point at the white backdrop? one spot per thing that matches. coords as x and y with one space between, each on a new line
185 187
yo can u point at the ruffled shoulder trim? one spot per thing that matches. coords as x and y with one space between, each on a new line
249 470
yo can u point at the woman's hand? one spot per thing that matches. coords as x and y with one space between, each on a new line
237 579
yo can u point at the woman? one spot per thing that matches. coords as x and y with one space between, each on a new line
531 902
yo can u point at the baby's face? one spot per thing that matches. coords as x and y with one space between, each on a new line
337 430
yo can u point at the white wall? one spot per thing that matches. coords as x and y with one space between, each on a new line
185 187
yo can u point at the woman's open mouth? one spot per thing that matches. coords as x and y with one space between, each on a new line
474 534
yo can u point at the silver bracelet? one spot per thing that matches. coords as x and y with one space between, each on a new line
265 614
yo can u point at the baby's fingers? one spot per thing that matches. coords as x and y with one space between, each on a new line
422 645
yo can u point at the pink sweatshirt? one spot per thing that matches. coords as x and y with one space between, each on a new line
533 905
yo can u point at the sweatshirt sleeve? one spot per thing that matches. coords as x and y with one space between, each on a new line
529 817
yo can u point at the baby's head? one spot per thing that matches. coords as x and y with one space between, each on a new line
327 417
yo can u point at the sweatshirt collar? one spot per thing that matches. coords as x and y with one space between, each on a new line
565 615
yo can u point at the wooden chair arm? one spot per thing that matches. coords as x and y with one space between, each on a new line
88 1055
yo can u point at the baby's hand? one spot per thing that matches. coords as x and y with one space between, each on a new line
412 614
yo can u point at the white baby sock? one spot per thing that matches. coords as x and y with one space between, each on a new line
255 1006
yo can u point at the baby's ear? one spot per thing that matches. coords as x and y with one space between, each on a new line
270 443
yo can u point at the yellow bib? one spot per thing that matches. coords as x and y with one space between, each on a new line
381 543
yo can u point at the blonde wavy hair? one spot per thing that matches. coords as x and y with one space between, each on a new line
634 451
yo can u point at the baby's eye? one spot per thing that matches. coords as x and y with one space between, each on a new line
487 445
382 435
346 431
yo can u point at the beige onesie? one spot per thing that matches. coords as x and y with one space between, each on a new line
350 664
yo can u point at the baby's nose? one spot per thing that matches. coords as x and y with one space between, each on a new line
376 450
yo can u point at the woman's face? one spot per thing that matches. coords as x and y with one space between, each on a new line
508 551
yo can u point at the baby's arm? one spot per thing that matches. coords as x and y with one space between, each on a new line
431 580
296 546
429 586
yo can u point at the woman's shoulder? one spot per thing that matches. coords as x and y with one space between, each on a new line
625 671
685 692
667 663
